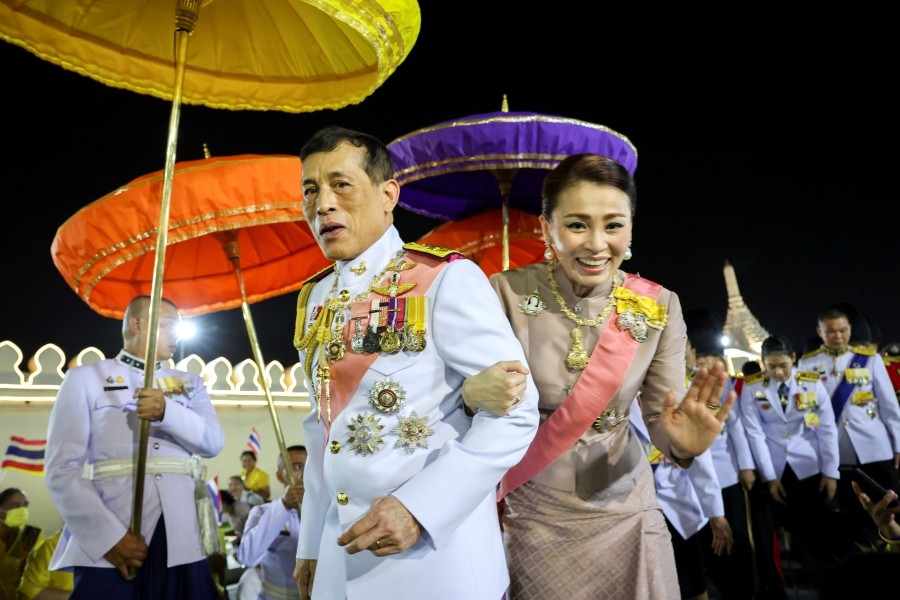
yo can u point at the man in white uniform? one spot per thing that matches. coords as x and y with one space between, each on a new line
270 534
401 482
865 408
95 422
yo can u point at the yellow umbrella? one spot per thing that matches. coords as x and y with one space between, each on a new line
287 55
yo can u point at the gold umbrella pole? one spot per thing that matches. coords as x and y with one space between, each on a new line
185 17
505 178
230 246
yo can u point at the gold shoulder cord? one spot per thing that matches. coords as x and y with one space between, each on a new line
301 341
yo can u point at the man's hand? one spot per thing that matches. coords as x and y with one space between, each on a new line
722 536
293 495
498 389
129 552
777 491
829 486
304 574
151 405
388 528
748 478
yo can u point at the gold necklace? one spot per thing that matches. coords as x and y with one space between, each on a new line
577 357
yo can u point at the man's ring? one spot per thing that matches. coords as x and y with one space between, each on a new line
713 405
378 544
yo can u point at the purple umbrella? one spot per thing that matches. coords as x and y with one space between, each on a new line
463 167
457 169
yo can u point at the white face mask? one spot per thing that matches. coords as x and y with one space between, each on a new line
16 517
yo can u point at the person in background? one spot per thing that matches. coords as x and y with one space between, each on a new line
883 515
254 479
272 531
750 367
242 494
399 473
38 581
17 538
581 518
233 516
891 356
867 574
691 500
93 427
865 408
734 572
790 424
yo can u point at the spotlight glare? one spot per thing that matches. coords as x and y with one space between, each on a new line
186 330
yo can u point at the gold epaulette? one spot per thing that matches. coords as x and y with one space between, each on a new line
812 353
756 377
862 350
302 299
316 277
441 252
807 376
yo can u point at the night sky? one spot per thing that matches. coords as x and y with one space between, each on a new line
774 149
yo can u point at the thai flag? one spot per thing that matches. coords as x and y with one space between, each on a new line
25 455
212 485
254 442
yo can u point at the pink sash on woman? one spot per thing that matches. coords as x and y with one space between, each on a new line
592 393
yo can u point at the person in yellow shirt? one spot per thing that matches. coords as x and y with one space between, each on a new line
38 581
255 479
17 538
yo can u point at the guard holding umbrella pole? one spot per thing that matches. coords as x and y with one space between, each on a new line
94 424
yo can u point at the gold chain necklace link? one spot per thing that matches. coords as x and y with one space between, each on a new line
577 357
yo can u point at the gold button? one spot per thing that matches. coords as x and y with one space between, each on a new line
343 498
335 447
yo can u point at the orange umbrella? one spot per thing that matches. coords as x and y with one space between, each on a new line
480 238
106 250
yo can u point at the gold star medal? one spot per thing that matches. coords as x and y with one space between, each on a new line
413 431
364 434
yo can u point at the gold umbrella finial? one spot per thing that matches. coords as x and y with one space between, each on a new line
504 106
206 152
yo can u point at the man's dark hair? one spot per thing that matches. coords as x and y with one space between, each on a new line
378 164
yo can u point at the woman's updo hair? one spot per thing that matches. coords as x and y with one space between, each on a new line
585 167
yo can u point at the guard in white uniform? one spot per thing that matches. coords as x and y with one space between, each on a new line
691 500
95 423
789 422
401 482
865 408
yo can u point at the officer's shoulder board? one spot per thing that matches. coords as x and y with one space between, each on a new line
754 378
316 277
863 350
807 376
440 252
812 353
